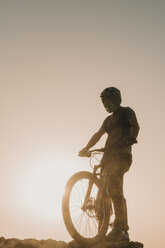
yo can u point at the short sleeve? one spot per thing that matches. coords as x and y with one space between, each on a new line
130 114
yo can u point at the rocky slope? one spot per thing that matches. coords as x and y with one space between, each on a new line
31 243
49 243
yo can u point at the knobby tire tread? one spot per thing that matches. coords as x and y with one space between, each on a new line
66 212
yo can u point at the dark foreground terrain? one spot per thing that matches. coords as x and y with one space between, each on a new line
50 243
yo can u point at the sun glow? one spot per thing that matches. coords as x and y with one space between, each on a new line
42 189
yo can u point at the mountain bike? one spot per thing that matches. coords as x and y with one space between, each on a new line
86 205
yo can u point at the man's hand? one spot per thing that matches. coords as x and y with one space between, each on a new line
84 153
130 141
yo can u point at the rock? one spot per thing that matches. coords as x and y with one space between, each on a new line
31 243
74 244
50 243
135 245
107 244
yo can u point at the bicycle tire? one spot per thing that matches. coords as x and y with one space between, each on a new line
85 237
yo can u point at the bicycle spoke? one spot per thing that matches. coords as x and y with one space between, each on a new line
84 214
85 228
77 218
74 210
83 188
79 226
90 230
96 229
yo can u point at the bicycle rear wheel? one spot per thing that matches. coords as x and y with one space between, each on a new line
83 220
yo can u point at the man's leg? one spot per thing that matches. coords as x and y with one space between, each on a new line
119 202
116 173
125 215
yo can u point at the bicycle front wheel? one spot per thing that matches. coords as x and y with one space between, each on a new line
84 220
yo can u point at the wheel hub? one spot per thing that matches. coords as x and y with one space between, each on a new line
90 207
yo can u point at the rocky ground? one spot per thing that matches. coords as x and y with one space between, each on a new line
108 244
31 243
49 243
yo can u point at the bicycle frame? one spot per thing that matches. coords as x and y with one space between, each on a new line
86 204
103 189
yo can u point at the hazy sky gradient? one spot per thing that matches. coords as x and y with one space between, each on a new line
56 58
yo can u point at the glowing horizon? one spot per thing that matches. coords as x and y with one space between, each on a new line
56 58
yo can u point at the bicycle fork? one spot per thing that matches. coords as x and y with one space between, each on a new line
102 191
87 196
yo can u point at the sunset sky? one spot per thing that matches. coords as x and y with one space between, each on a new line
56 58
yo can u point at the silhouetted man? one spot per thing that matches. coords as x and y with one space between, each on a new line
122 129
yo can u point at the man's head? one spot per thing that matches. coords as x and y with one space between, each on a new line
111 99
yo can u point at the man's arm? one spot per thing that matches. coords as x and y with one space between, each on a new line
95 138
134 129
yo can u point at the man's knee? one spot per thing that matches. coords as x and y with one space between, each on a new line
117 197
115 187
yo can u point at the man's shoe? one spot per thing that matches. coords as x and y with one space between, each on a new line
114 234
117 234
127 236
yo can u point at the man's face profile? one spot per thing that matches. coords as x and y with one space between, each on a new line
109 105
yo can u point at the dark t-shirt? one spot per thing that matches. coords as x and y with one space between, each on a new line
118 127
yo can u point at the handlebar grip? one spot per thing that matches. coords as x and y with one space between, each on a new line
84 153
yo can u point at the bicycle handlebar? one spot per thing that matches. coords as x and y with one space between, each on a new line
89 153
97 150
